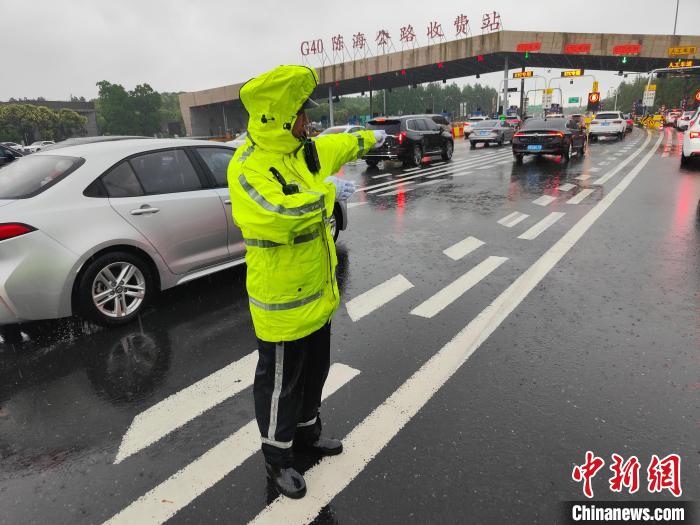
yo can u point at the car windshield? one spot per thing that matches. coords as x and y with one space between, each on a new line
33 174
333 131
607 116
556 123
392 127
486 124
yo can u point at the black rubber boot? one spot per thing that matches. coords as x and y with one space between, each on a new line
323 446
287 481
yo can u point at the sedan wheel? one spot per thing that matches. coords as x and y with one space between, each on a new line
114 288
447 151
333 222
567 154
417 156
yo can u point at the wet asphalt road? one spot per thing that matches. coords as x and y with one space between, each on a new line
601 355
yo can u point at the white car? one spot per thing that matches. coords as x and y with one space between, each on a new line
691 139
683 121
341 129
471 122
37 146
608 124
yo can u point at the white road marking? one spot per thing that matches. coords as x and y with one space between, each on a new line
585 176
576 199
377 297
456 289
604 163
541 226
512 219
180 408
396 192
544 200
566 187
382 176
398 183
446 168
333 474
429 182
164 501
355 204
592 170
463 248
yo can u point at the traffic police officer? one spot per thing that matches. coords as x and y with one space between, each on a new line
283 195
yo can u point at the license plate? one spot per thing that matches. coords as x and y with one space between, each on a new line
606 123
483 133
534 147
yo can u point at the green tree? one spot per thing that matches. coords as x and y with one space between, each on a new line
114 115
145 104
69 124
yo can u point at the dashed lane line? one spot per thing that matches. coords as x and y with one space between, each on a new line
333 474
456 289
544 200
541 226
178 409
512 219
576 199
566 187
164 501
366 303
463 248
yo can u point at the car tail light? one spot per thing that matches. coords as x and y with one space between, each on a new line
694 135
14 229
402 137
594 122
692 123
557 133
519 134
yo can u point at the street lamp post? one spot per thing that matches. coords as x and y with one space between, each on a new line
675 20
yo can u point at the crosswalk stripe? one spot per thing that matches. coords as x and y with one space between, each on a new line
512 219
541 226
377 297
566 187
593 170
397 191
576 199
178 409
463 248
544 200
429 182
400 183
382 176
585 176
180 489
453 291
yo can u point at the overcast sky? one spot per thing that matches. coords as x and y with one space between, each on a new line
59 48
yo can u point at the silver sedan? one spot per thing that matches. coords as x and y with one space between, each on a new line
98 229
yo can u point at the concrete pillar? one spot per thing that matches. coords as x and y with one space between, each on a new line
505 84
330 106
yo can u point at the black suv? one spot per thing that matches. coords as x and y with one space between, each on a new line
411 137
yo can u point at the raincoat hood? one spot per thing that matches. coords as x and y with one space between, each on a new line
272 101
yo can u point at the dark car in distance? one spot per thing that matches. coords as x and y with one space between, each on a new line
410 138
8 154
555 136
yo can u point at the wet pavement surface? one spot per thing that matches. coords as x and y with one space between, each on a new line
601 354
